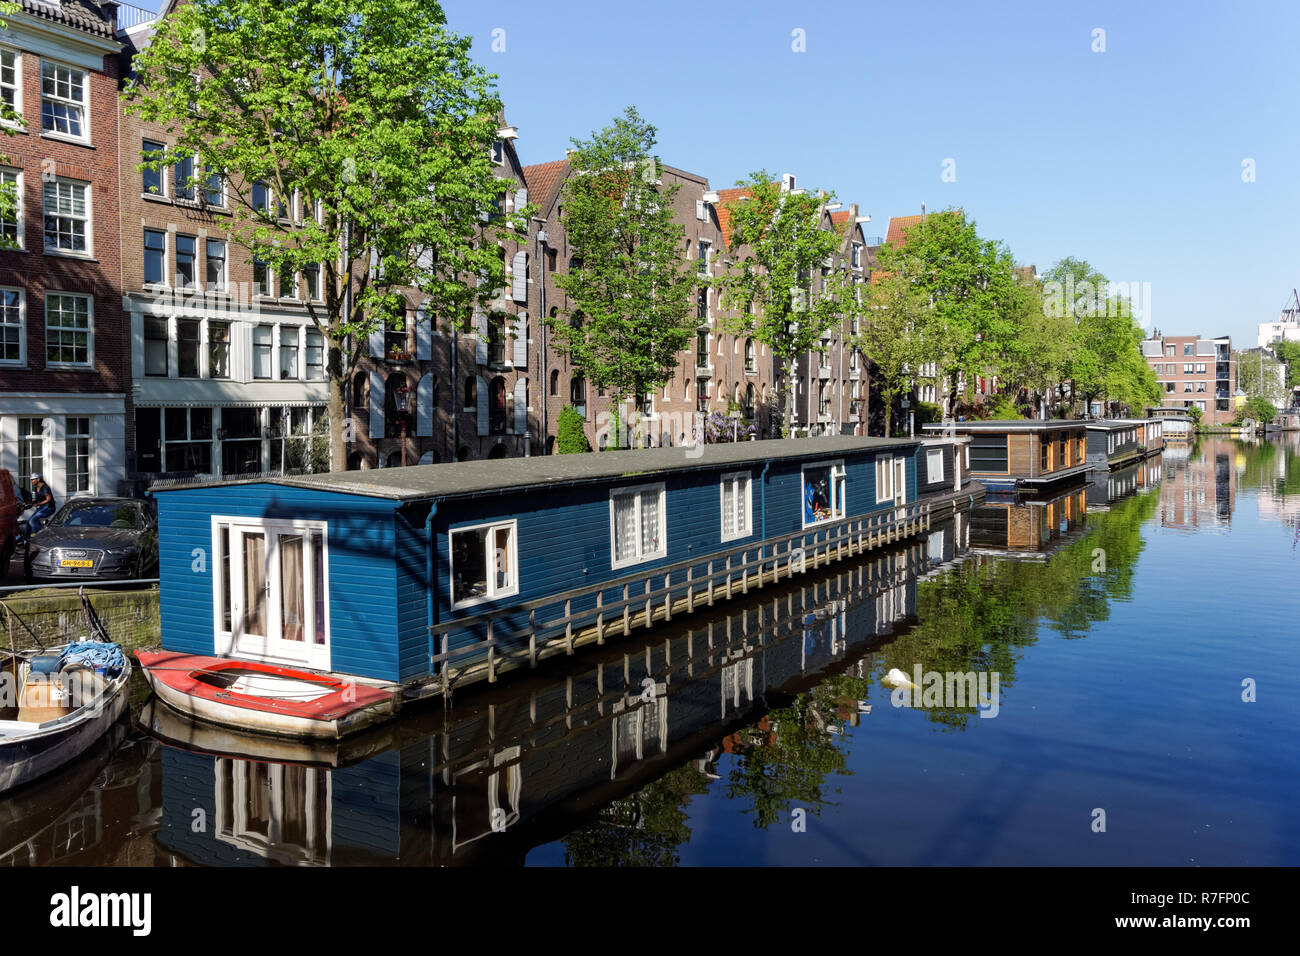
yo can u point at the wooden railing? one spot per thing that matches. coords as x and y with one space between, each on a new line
553 622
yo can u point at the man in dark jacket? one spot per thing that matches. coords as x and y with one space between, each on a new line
43 502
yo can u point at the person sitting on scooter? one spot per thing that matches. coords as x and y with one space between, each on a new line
43 502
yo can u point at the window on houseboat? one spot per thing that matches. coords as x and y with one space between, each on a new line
934 464
987 453
637 524
823 493
736 522
884 479
483 563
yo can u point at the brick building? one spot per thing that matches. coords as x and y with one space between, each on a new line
1195 372
64 347
228 370
457 396
721 373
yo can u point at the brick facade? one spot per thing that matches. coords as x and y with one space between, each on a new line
64 349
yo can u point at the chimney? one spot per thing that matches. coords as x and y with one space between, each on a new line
853 212
787 182
110 11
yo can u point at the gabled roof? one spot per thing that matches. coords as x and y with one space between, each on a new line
724 214
82 14
898 226
543 182
840 218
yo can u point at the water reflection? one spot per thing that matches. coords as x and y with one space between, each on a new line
770 703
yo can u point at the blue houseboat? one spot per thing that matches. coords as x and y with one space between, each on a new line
422 577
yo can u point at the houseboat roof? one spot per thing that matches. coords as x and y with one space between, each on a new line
455 479
1008 425
1114 424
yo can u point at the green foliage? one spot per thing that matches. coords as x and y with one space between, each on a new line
779 248
970 284
1288 352
1195 414
897 333
1257 410
630 285
1261 377
571 432
373 114
927 413
1000 408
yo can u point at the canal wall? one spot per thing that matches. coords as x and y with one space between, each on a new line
43 617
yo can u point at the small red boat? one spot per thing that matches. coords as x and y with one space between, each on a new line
267 698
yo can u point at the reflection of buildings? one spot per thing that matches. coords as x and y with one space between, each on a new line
1028 527
518 768
1107 487
1199 485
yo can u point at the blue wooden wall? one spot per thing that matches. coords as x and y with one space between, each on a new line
363 574
378 587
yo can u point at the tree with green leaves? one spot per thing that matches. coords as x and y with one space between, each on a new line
1288 351
571 432
971 285
894 333
369 112
1106 344
779 245
629 288
1261 376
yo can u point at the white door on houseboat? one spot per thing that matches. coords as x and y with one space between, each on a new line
900 488
273 585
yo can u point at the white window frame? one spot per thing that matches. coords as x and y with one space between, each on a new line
839 489
20 234
639 557
84 105
739 482
89 436
163 191
17 85
494 594
885 489
21 361
224 285
90 329
931 474
226 643
89 251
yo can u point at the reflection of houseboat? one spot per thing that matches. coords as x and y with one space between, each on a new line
1029 527
1113 443
1108 485
1028 456
507 771
417 576
1176 423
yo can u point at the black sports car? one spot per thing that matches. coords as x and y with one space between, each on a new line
96 539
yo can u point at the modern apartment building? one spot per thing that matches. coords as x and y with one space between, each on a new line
64 345
1195 372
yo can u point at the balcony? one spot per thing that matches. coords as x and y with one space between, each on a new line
129 17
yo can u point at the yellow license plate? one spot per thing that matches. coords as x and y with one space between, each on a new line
76 564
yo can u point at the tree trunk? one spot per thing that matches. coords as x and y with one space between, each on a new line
889 416
340 426
788 394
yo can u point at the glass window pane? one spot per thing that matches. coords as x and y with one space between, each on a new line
469 564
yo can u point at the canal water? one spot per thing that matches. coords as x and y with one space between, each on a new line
1130 648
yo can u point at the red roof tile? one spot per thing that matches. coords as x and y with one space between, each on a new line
724 214
898 226
543 180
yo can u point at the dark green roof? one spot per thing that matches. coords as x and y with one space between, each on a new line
422 482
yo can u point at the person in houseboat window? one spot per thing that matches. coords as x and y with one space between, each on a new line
817 495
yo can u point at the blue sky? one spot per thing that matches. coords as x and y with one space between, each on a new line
1130 158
